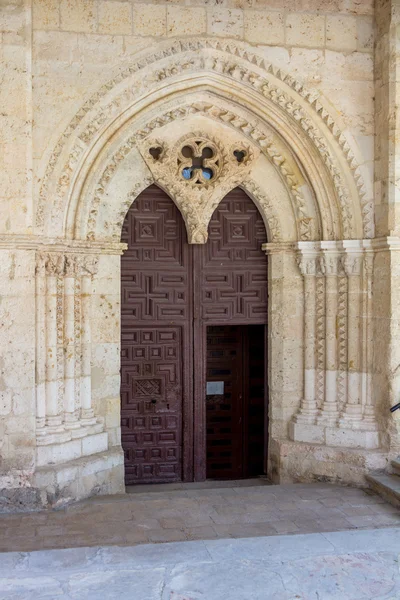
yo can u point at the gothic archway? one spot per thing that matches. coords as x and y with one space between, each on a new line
303 174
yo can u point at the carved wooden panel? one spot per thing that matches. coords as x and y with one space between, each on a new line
151 402
233 279
156 309
155 271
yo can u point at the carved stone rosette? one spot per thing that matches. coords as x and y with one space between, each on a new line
336 410
197 171
63 346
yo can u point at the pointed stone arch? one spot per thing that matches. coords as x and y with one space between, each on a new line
227 83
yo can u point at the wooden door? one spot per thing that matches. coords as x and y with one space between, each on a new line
235 401
170 292
230 288
156 322
224 403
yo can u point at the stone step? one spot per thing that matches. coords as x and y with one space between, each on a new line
396 466
387 486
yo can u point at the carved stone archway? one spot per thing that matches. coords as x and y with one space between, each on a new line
301 170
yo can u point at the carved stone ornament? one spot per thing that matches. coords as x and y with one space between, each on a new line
70 265
352 264
311 265
197 171
199 161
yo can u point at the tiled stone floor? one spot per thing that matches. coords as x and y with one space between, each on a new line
345 565
198 512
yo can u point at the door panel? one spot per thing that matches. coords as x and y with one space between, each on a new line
156 317
151 396
224 411
233 267
235 408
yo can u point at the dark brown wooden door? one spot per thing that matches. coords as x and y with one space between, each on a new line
156 326
235 401
230 288
224 409
170 292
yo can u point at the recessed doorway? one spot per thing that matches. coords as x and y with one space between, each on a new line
173 296
235 401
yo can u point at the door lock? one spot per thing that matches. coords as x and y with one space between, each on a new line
153 401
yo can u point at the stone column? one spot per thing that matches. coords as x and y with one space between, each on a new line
54 269
40 344
369 418
352 263
89 268
302 427
329 410
308 266
70 417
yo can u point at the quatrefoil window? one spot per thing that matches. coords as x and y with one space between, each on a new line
198 161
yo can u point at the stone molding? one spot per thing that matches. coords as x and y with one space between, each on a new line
235 62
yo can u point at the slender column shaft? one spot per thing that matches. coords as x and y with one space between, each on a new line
87 412
71 420
329 410
40 346
309 266
309 340
53 418
369 418
353 408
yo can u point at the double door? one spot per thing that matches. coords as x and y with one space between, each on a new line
170 293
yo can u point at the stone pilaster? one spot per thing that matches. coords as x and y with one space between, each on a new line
337 406
310 266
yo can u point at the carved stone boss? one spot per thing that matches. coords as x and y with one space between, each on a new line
337 313
63 346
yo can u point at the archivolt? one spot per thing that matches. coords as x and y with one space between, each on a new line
225 68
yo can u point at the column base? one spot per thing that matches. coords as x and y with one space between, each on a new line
330 435
306 432
328 416
295 462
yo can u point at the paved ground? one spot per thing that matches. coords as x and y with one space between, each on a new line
193 512
347 565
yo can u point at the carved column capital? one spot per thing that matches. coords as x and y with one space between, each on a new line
55 264
352 264
71 265
310 265
41 260
369 258
88 265
332 265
